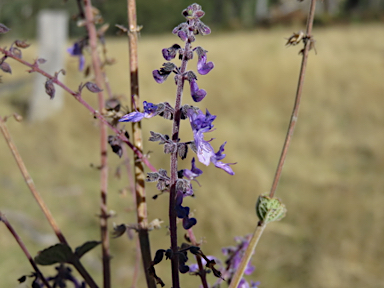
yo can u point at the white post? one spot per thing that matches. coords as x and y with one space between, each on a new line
52 30
261 12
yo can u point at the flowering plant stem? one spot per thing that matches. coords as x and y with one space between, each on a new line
292 124
29 181
137 141
295 111
25 250
172 196
104 215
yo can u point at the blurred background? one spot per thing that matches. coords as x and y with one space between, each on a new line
332 182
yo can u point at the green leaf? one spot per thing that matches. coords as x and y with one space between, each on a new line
58 253
87 246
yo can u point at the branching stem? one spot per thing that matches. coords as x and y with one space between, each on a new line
24 248
104 215
31 185
77 95
295 111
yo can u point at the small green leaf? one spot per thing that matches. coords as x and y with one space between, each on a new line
58 253
87 246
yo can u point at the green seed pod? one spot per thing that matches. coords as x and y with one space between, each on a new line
269 209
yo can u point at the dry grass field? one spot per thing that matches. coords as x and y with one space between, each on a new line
332 183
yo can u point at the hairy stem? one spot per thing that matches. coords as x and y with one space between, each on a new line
261 226
172 197
202 273
77 95
295 111
137 141
247 255
24 248
104 215
29 181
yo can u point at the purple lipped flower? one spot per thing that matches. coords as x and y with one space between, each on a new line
161 75
196 93
202 66
201 124
193 173
77 51
149 111
171 52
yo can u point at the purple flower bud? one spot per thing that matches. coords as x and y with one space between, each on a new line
50 88
193 12
16 52
196 93
92 87
5 67
189 222
77 51
170 53
203 29
161 75
193 173
3 28
182 35
22 44
116 145
202 66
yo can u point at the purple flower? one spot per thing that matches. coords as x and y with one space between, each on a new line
149 111
202 66
193 173
183 212
77 51
161 75
201 124
196 93
171 52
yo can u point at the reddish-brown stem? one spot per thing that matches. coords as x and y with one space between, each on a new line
24 248
202 273
295 111
173 193
136 269
104 215
29 181
77 95
137 140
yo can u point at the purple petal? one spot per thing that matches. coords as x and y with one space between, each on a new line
193 173
203 67
167 54
132 117
189 222
182 35
196 93
158 77
81 62
224 166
